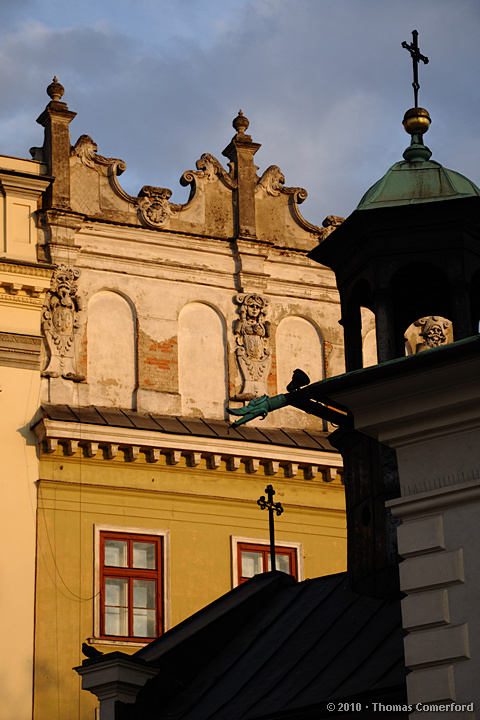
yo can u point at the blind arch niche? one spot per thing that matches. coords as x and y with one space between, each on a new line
299 344
111 350
202 367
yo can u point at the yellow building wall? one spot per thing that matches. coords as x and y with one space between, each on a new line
201 508
19 471
23 283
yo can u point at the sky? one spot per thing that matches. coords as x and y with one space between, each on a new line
324 84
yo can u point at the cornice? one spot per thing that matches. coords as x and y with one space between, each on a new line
21 351
13 300
25 269
254 457
436 499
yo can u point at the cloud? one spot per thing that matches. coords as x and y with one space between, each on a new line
324 85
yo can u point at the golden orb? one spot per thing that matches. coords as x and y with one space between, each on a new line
416 121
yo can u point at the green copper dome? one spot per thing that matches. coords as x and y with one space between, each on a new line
420 181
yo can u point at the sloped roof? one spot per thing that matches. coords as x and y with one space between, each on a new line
417 182
276 648
198 427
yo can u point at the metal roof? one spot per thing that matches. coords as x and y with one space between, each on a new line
407 183
274 647
188 426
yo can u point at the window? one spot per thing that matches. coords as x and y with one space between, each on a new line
131 584
252 556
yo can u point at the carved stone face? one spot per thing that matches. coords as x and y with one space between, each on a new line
254 308
65 286
434 335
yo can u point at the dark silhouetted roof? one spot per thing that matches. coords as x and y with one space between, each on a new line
276 648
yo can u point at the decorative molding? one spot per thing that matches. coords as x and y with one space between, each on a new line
297 196
330 224
311 472
233 463
20 351
50 445
214 461
71 447
272 467
436 499
154 207
153 444
426 333
111 451
252 465
173 457
85 152
291 470
114 170
208 169
13 300
252 333
91 449
153 455
193 458
61 324
271 181
213 169
24 269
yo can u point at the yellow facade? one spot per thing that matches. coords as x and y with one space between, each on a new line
200 508
136 312
23 283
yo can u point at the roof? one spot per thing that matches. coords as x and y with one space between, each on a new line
439 357
274 647
407 183
188 426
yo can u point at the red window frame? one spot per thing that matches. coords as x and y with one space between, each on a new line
264 550
131 573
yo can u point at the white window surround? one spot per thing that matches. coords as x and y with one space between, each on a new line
165 534
236 539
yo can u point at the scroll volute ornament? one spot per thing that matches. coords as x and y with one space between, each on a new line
428 332
252 335
61 323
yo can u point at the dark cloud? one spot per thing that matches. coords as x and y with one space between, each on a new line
324 84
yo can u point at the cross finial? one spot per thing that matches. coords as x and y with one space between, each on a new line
414 51
272 507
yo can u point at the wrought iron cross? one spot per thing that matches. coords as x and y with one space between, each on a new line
414 51
272 507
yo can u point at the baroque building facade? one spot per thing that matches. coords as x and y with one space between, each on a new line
148 319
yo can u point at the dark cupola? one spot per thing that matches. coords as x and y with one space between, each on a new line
410 250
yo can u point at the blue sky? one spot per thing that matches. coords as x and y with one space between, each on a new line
324 84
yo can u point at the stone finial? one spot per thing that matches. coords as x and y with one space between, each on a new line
55 90
240 123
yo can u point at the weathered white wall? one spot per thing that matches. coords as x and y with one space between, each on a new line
202 361
111 350
298 345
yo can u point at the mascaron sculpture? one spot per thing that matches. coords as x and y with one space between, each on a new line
252 334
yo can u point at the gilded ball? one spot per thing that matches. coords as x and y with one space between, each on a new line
416 121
